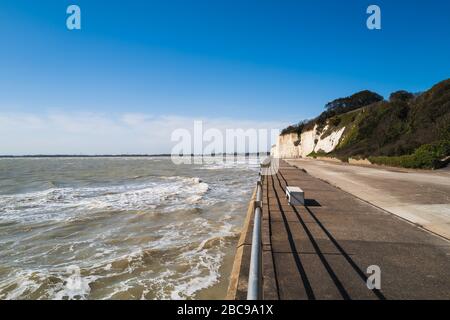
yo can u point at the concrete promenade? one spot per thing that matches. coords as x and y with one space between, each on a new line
322 250
419 196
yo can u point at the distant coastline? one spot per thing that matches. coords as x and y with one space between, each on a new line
129 155
83 156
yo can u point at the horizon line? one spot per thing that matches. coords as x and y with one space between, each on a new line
129 155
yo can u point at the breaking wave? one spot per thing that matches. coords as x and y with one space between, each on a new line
118 229
63 203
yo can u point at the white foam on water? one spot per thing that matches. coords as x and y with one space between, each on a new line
65 285
21 284
202 262
59 204
197 244
240 163
74 287
121 258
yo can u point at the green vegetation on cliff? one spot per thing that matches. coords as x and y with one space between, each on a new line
427 156
408 130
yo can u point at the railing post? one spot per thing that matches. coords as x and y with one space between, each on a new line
254 291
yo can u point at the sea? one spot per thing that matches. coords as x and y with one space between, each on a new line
121 227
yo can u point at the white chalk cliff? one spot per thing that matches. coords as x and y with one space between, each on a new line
292 146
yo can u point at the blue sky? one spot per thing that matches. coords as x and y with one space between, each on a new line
272 62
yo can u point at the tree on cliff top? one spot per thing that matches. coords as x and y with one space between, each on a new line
401 95
355 101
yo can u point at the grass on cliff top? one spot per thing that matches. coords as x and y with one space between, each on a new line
318 154
347 120
428 156
323 154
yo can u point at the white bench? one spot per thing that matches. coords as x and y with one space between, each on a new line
295 196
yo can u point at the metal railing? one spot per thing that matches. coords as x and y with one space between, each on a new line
254 291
